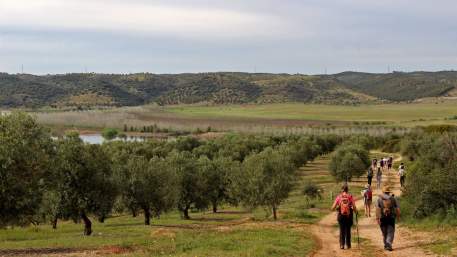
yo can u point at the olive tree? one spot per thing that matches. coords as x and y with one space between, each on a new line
84 180
149 185
25 154
349 161
266 180
192 181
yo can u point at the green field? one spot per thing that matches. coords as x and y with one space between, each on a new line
399 114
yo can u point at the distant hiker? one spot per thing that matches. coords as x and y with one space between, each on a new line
367 199
387 212
390 162
402 174
370 175
345 205
379 177
381 163
374 163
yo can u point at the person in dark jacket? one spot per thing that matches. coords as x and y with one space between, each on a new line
387 213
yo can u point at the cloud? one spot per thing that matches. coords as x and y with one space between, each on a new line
136 17
209 35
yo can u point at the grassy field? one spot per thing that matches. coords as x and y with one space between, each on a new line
268 118
399 114
231 232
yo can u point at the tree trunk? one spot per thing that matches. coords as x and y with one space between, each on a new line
87 224
275 217
214 207
186 213
147 216
54 223
101 219
134 214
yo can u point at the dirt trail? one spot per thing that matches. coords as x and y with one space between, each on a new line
405 245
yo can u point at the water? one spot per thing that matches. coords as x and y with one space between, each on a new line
98 139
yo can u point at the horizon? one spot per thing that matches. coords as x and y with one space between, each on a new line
218 72
172 37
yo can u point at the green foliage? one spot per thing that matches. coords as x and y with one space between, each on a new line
193 183
26 154
148 185
84 181
312 191
266 179
432 178
349 161
109 133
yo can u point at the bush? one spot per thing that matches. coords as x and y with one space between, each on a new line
349 161
109 133
431 181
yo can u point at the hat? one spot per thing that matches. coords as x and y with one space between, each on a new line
386 189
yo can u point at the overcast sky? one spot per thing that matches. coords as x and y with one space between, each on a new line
171 36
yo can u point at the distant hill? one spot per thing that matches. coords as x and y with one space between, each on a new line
90 89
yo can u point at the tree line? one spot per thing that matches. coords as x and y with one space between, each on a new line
46 180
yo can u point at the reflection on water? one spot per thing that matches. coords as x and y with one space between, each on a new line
98 139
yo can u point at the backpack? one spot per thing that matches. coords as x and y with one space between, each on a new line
387 207
345 205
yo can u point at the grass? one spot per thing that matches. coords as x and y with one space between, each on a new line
168 236
266 118
404 114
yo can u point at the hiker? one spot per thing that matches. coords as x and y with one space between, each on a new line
402 174
367 199
387 212
370 175
345 205
374 163
379 177
381 163
390 162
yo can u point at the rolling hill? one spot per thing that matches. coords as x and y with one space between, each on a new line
90 89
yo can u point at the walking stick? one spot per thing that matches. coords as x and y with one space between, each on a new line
357 228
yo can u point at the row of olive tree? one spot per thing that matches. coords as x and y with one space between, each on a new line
47 180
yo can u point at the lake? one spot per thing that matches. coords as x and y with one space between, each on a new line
98 139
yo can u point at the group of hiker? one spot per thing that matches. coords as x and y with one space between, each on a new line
387 208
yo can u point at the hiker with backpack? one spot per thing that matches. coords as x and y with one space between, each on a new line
370 175
387 213
379 178
402 174
345 205
367 200
390 162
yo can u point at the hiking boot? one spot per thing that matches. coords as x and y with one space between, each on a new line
388 248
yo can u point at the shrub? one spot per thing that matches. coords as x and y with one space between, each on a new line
349 161
109 133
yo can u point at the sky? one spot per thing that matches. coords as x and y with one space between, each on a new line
282 36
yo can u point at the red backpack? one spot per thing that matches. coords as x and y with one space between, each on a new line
345 205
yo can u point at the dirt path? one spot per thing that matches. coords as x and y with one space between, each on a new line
405 244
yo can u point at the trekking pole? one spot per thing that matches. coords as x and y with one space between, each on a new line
357 228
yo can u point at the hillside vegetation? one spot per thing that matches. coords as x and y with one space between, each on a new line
90 89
